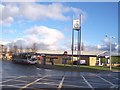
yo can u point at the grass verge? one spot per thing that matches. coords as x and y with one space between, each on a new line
83 67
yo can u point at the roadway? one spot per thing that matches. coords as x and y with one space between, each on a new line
22 77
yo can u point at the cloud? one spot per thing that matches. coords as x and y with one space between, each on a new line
4 42
38 11
8 13
90 47
44 37
20 1
106 45
33 11
8 31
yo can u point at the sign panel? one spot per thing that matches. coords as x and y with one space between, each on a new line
76 24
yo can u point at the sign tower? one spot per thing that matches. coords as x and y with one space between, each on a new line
76 27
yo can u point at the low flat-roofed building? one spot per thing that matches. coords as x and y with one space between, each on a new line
88 57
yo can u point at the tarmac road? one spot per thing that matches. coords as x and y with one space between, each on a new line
22 77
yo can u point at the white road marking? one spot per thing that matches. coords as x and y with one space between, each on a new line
113 76
10 80
87 82
48 70
61 83
38 68
32 82
113 85
20 81
47 83
75 86
116 86
51 80
11 76
11 86
116 78
19 84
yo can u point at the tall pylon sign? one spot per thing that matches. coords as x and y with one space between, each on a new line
76 27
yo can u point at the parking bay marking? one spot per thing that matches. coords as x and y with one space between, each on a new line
61 83
75 86
10 80
87 82
47 83
32 82
116 78
113 85
11 86
20 80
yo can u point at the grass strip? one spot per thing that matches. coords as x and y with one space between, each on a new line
83 67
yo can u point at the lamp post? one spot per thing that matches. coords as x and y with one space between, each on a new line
110 42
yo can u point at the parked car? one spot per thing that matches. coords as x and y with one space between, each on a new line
82 62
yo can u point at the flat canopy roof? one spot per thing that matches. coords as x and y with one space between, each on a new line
58 52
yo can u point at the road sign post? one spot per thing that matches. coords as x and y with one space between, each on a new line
65 54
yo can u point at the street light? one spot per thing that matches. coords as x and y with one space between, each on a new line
110 41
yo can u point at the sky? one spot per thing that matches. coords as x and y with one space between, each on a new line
49 24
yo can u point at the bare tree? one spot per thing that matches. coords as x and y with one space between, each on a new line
34 47
3 51
15 48
21 48
10 49
1 48
82 47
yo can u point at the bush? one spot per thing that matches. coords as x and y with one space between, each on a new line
114 59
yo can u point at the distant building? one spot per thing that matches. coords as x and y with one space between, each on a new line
88 57
3 51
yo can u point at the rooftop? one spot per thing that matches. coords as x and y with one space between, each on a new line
70 52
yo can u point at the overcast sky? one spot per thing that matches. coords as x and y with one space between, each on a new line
49 24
